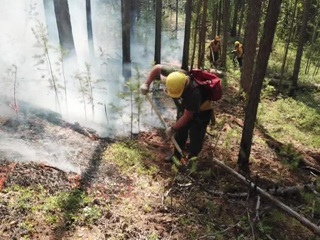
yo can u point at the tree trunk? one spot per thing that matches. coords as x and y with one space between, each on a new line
288 44
250 43
126 56
89 27
302 39
235 18
61 9
187 32
202 35
220 11
50 20
262 63
157 47
226 10
242 14
177 14
196 23
214 20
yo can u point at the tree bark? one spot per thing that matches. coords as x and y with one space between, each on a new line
187 33
50 20
242 14
61 9
196 23
250 43
288 44
157 52
126 49
235 18
202 35
177 14
89 27
220 14
214 20
226 10
301 42
262 63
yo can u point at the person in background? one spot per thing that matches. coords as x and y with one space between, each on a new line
238 53
215 50
194 111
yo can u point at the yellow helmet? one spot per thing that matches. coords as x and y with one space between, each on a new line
175 84
217 38
236 43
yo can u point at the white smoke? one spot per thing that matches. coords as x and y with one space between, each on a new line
18 64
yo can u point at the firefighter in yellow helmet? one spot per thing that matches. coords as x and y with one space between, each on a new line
238 53
193 112
215 50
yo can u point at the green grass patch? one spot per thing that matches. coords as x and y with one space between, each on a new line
290 121
65 207
279 226
290 157
76 206
130 157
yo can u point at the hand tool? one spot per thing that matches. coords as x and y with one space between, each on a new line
165 125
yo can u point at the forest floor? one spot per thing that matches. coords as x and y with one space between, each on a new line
150 199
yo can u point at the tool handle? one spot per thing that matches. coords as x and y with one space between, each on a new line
156 110
164 124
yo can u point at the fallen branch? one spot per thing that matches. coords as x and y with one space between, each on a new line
312 169
304 221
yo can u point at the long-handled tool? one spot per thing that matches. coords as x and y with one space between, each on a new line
165 125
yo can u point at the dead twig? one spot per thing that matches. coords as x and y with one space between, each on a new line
230 227
251 223
257 209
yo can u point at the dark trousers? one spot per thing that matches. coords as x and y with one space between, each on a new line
240 61
214 56
195 130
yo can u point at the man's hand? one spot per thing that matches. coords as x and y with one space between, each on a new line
170 132
144 89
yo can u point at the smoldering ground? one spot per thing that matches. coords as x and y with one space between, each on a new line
27 75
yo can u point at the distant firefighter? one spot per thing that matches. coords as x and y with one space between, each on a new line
238 53
215 50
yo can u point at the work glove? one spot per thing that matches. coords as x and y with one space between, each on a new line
170 132
144 89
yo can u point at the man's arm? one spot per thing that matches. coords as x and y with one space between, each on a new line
154 74
185 118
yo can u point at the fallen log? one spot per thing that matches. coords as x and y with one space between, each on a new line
304 221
